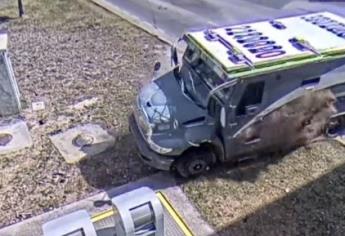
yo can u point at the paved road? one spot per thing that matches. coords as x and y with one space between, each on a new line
170 18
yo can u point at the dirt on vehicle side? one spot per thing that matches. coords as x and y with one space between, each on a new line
293 125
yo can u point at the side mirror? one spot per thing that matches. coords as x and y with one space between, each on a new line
173 56
173 50
156 68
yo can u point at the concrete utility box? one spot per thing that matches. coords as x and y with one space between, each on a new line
141 213
77 223
9 92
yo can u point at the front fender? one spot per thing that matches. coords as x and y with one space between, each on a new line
206 136
199 134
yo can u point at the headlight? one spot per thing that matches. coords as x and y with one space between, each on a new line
175 124
145 127
155 147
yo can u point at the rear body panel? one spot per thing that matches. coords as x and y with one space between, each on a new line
250 47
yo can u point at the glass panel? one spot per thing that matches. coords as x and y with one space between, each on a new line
252 96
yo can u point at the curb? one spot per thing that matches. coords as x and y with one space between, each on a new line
134 20
171 196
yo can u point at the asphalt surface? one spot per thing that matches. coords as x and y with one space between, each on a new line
173 17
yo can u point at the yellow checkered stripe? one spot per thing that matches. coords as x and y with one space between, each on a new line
166 204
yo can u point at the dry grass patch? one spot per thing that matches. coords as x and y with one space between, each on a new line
303 193
64 52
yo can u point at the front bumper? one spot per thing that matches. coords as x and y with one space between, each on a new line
148 156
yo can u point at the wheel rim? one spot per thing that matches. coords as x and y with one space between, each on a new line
333 130
197 166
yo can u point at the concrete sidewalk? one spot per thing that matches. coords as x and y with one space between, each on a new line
163 182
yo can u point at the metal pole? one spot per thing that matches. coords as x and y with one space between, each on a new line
20 8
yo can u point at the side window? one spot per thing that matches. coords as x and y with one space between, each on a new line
191 54
252 96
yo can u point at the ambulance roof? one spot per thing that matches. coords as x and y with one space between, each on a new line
251 48
3 41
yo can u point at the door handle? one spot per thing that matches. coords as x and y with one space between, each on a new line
233 124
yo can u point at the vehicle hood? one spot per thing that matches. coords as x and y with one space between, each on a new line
164 101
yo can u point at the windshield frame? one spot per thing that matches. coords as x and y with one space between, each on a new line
194 57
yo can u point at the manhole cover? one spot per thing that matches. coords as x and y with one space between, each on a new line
83 140
5 139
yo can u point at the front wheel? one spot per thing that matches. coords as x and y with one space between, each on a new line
336 127
195 162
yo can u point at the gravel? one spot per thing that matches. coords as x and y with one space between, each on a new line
63 53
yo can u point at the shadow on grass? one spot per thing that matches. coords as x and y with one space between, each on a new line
121 164
316 209
245 171
249 170
116 166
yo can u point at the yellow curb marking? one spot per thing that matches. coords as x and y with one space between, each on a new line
167 205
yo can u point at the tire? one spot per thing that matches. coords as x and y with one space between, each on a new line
195 162
335 127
